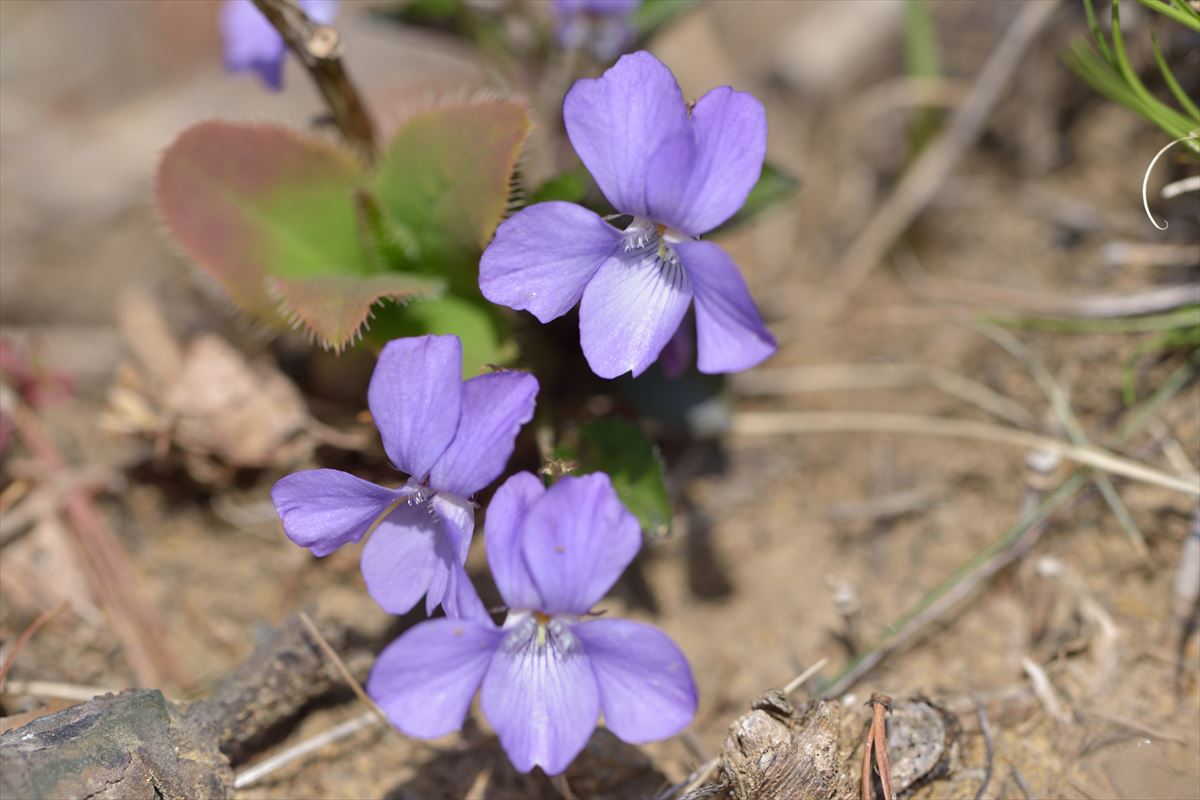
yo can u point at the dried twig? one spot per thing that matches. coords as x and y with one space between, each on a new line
1157 300
804 677
774 423
559 782
1185 597
923 179
27 634
319 50
112 576
1021 784
340 666
348 728
877 741
1149 254
1044 690
62 691
1062 408
795 380
1010 545
989 749
1179 187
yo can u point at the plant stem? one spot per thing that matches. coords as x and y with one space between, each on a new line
319 50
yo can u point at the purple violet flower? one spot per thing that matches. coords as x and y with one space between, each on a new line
545 676
602 26
453 438
679 171
252 43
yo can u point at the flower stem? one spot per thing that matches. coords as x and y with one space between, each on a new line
319 50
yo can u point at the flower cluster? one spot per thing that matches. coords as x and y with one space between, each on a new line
679 171
553 668
452 438
546 675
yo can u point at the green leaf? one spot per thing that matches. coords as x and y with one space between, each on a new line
1177 91
251 201
388 244
1181 13
334 308
920 40
620 448
279 219
480 331
446 176
774 186
570 186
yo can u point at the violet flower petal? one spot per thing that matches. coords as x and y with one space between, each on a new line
458 523
646 687
730 130
577 539
732 335
445 550
424 681
597 7
415 396
617 122
400 560
323 509
501 530
251 43
462 601
494 408
680 352
669 179
542 258
541 698
629 312
322 12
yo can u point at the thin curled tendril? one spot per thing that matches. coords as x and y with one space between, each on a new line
1146 178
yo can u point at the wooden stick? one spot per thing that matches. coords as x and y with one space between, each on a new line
27 634
922 181
775 423
112 576
319 50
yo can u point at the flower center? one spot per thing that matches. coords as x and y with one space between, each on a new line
643 236
543 620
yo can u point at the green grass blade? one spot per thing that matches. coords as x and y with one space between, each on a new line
1163 115
1097 34
1189 10
1180 95
1186 17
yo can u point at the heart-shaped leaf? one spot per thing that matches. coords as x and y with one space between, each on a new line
251 201
297 229
334 308
446 176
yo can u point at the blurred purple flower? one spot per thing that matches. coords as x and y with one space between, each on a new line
452 438
549 672
251 42
602 26
679 172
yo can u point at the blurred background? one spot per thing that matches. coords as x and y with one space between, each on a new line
966 244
